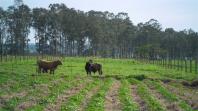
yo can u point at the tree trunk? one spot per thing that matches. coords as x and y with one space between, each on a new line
1 48
185 62
196 61
190 65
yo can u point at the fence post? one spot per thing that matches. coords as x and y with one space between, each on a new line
174 63
171 63
163 62
196 66
167 63
181 64
1 57
190 65
185 65
178 62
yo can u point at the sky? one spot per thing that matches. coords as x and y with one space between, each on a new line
177 14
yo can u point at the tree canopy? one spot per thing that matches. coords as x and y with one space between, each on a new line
60 30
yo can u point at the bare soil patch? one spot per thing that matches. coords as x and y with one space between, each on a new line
64 97
7 97
43 92
170 106
88 98
187 94
112 102
25 105
141 103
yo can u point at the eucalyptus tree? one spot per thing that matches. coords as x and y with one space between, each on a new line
129 36
39 23
53 28
123 26
94 30
192 40
18 21
153 27
2 31
148 39
107 38
63 30
169 42
72 32
61 24
80 32
65 21
11 38
24 27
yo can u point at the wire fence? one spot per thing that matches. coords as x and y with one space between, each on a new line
187 65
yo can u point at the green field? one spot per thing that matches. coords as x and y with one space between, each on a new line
127 85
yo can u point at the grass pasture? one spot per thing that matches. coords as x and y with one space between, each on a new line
127 85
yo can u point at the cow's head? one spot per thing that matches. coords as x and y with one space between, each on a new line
58 62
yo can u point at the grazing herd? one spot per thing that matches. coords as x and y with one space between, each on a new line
44 66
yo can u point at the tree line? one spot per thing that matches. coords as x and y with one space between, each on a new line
60 30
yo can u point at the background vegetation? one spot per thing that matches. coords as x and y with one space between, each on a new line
60 30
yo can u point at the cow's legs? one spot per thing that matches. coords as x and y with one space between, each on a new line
100 72
51 71
39 69
90 73
87 73
45 70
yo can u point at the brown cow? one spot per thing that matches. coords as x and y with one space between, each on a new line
48 65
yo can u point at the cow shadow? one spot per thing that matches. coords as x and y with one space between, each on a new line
120 77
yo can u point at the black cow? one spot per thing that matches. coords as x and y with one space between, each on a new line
89 67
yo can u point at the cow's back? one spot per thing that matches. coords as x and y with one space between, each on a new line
45 64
